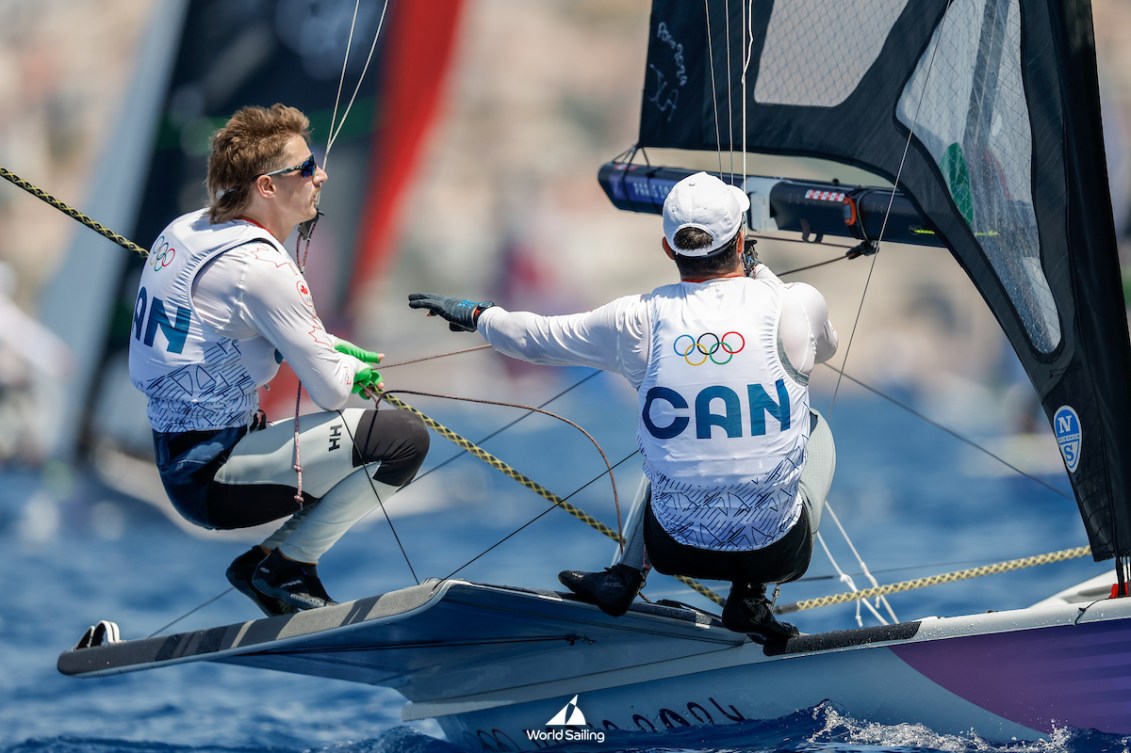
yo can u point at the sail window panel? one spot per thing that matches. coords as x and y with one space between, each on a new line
965 103
816 52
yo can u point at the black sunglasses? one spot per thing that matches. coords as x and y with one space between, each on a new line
306 169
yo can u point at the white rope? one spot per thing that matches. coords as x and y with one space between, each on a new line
341 84
333 136
881 601
714 86
748 12
850 584
730 89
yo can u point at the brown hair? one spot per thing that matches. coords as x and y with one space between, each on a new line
718 262
250 144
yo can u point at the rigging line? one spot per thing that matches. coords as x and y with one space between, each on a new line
71 212
847 580
380 502
691 583
500 466
951 432
535 519
341 84
361 78
192 611
484 346
852 547
730 95
934 580
880 600
887 212
785 239
855 324
529 409
714 86
811 266
748 23
530 484
503 428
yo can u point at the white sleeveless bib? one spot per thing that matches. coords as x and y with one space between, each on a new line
195 379
723 422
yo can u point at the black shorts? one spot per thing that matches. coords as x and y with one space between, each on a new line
782 561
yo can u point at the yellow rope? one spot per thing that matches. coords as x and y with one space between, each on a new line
934 580
470 447
71 212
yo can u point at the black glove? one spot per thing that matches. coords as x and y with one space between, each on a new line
749 257
462 315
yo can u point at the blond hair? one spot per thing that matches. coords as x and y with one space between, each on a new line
250 144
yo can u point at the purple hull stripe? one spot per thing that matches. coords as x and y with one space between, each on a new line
1077 676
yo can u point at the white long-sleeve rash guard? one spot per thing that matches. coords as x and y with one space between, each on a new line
246 294
614 337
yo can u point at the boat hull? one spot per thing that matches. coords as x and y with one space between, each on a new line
494 664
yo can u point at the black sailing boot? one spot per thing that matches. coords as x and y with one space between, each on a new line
747 610
293 583
239 575
612 590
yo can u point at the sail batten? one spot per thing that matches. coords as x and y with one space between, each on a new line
985 113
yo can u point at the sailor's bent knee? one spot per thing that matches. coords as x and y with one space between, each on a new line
396 439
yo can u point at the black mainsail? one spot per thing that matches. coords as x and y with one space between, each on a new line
986 114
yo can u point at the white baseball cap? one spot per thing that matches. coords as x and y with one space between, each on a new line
705 202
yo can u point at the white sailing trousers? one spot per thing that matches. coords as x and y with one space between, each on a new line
344 492
313 530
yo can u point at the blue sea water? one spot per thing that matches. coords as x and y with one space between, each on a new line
76 552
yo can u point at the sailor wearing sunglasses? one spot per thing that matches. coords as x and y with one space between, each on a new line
220 305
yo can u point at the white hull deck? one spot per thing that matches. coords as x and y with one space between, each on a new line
491 662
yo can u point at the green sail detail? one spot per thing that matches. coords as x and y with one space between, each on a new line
957 176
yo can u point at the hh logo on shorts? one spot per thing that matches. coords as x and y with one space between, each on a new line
335 437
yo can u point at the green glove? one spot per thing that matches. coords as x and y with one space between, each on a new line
366 381
348 348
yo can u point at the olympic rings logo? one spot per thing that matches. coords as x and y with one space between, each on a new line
161 255
697 350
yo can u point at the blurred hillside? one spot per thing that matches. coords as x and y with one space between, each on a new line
505 204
